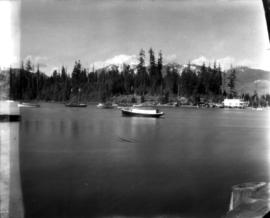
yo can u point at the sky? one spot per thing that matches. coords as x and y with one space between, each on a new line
9 33
59 32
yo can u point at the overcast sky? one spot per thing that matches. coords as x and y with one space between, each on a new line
56 32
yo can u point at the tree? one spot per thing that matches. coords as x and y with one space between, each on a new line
255 99
215 81
171 80
231 83
142 78
159 71
128 77
152 70
189 81
28 66
201 85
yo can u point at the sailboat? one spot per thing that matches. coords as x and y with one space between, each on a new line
76 104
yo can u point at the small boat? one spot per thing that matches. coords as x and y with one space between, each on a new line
26 104
257 108
171 104
106 105
76 105
76 102
144 104
141 112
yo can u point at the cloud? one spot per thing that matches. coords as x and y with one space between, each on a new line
55 68
170 58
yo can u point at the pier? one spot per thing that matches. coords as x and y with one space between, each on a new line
249 200
11 202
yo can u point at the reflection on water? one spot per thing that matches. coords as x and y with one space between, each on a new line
142 121
138 124
91 162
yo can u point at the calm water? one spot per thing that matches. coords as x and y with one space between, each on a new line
90 162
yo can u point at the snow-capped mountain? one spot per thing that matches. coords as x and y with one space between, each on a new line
132 60
248 79
117 61
225 63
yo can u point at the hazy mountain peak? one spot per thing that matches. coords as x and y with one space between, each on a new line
118 60
225 63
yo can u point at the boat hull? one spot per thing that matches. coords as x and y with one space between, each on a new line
103 106
134 114
28 105
76 105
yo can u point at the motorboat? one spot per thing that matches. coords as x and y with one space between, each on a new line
106 105
140 112
75 105
76 101
171 104
145 104
27 104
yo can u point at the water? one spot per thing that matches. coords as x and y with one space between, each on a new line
89 162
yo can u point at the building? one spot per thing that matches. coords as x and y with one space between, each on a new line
235 103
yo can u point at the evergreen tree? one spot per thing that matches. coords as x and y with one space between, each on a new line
76 77
159 72
28 66
231 83
142 78
152 70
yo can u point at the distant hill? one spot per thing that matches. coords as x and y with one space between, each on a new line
249 79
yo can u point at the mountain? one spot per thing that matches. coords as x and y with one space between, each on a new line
248 80
118 61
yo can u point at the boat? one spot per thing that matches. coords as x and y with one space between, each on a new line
106 105
75 105
141 112
77 102
171 104
144 104
257 108
27 104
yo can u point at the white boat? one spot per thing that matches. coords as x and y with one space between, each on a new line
26 104
76 105
171 104
144 104
105 105
257 108
141 112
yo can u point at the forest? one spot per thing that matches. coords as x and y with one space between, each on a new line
156 79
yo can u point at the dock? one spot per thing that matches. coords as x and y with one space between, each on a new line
11 201
9 111
250 200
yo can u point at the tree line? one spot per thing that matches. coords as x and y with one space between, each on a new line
157 79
